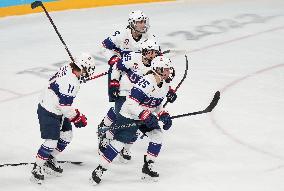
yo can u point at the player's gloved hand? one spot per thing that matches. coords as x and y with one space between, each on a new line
171 95
150 120
166 119
114 89
113 60
79 120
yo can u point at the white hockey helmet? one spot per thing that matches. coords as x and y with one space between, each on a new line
150 44
159 64
135 16
86 63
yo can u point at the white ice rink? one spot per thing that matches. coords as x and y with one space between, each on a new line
235 47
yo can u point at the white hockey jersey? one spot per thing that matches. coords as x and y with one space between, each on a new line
132 61
122 42
60 92
145 95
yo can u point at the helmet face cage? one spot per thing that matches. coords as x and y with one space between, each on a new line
171 76
135 16
87 64
146 50
88 71
160 71
150 45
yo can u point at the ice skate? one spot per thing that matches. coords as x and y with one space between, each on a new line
148 172
97 175
51 167
124 155
37 174
103 143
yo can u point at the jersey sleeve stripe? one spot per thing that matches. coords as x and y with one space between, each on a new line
64 100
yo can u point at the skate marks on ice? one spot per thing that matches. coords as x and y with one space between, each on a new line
234 137
223 26
219 27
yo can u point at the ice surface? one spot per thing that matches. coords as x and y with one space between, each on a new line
235 46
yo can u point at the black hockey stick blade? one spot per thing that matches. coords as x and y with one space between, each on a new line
211 106
166 52
15 164
71 162
36 4
213 103
28 163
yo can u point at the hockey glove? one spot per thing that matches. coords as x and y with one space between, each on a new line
171 95
113 60
114 89
150 120
166 119
79 120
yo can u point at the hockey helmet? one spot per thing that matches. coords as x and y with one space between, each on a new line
135 16
159 64
150 44
86 63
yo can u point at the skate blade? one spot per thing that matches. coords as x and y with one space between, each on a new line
36 181
123 160
51 172
147 178
92 182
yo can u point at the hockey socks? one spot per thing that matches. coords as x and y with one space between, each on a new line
112 150
153 149
45 150
110 117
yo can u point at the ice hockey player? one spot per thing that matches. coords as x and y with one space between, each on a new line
55 115
142 107
114 47
129 39
139 62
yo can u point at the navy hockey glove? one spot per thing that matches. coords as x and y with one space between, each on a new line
171 95
166 119
79 120
114 89
113 60
150 120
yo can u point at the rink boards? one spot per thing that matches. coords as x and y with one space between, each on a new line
22 7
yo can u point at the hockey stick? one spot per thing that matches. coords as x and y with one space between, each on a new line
94 77
208 109
183 78
28 163
40 4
